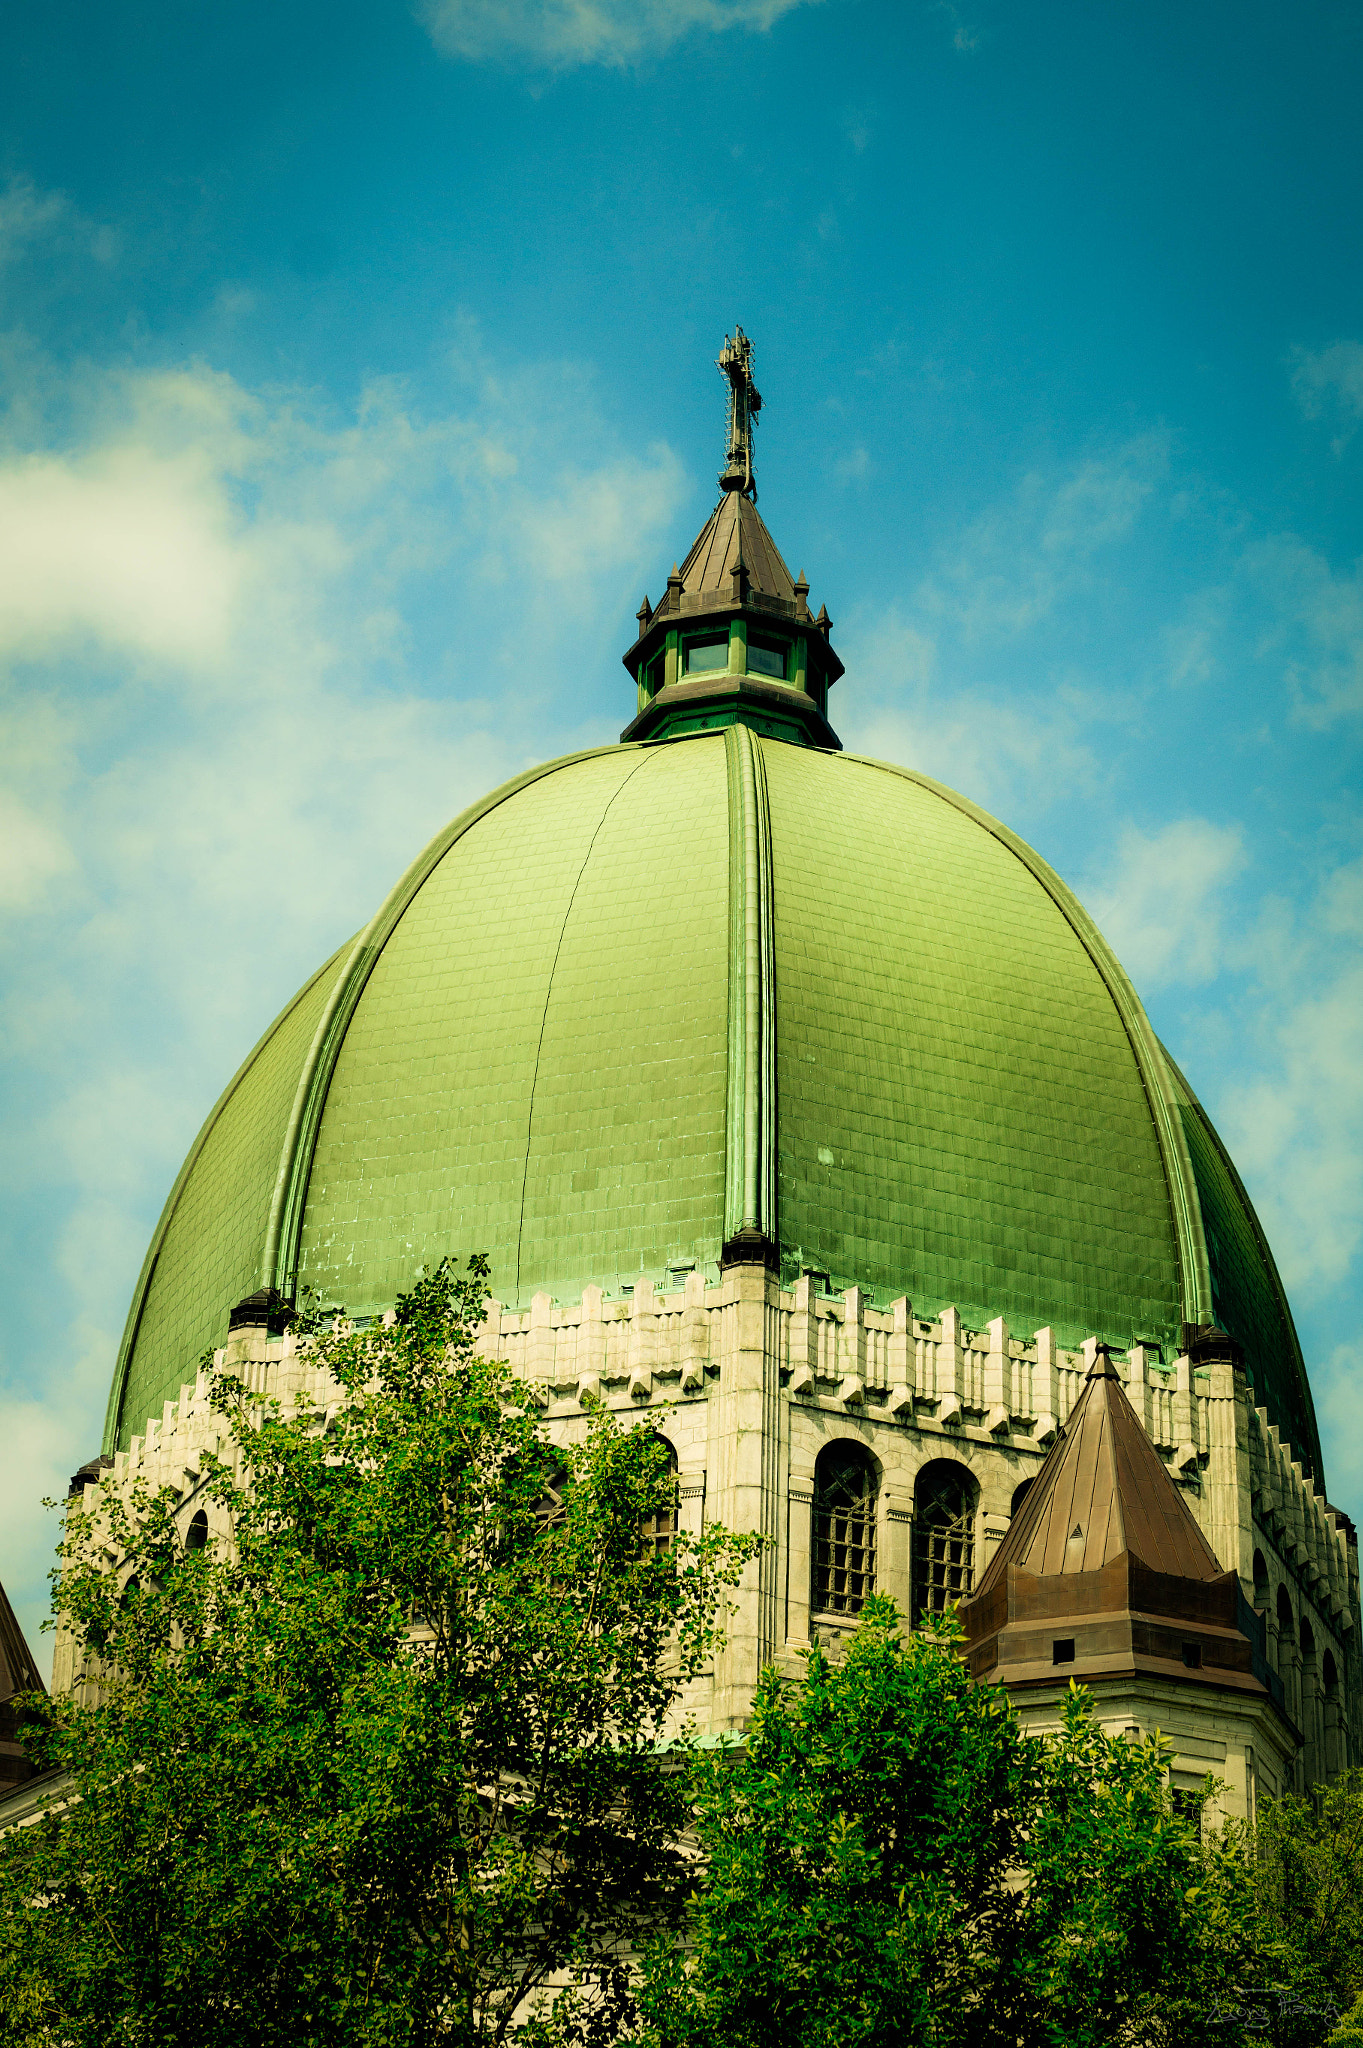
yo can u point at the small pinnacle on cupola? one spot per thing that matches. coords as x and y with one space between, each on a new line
823 622
738 574
644 614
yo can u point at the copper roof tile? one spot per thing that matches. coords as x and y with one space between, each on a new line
1102 1492
736 531
18 1671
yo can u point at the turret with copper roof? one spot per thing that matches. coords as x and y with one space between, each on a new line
18 1674
733 640
1104 1577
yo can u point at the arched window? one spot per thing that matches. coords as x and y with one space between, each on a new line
658 1532
1308 1641
844 1530
1329 1672
1287 1627
196 1535
1020 1494
1260 1580
944 1498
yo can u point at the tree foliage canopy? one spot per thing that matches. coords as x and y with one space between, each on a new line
891 1861
387 1764
1308 1875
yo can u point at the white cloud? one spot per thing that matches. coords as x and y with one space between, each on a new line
1337 1384
854 467
31 217
1295 1127
26 215
1329 384
1006 754
1160 899
562 34
965 35
1009 589
1021 559
1288 1096
124 547
32 854
1315 628
251 657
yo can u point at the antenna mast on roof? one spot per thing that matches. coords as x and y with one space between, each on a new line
745 402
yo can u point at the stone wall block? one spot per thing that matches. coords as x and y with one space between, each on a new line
643 1329
591 1343
799 1555
539 1357
1184 1429
853 1359
804 1332
997 1379
695 1334
1138 1382
899 1352
1047 1387
951 1388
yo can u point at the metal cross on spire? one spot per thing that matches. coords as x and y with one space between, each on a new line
745 402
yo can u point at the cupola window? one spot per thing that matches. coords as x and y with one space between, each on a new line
703 657
844 1530
768 660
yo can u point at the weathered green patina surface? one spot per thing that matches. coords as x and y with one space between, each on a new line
533 1052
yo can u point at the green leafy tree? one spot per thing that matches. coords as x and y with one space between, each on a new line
392 1765
1309 1881
891 1861
1349 2032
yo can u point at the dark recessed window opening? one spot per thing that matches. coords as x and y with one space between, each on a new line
704 656
1062 1650
196 1535
943 1536
766 661
844 1530
1188 1806
1192 1656
658 1532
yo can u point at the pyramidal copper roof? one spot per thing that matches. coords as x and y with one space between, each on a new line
1102 1492
736 534
18 1672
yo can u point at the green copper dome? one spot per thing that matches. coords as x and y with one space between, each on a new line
655 999
723 993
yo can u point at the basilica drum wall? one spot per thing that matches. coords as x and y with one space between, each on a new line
751 1383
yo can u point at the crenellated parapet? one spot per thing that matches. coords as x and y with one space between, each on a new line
751 1381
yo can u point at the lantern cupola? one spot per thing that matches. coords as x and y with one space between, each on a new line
733 640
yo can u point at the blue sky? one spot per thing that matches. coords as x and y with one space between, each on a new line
356 379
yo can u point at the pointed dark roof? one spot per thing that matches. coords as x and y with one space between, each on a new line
1104 1573
1103 1492
18 1671
735 534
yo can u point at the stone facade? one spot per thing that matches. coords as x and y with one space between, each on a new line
750 1382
